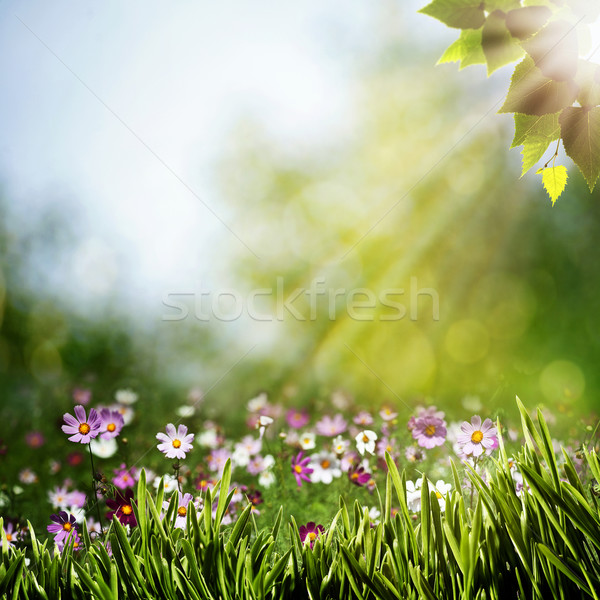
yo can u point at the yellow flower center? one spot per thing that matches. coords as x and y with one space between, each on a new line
354 476
298 469
365 438
307 440
203 483
126 510
111 427
438 495
176 443
9 537
67 526
476 437
430 430
312 536
325 464
182 511
84 429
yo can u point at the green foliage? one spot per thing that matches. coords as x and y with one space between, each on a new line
488 543
545 84
463 14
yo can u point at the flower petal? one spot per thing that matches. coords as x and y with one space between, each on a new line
80 413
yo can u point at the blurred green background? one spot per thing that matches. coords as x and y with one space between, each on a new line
421 193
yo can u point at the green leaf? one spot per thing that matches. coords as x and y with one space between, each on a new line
555 50
466 49
588 80
503 5
531 93
580 128
522 23
554 180
498 45
551 557
533 149
530 125
463 14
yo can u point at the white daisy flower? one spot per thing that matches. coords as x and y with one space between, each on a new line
325 467
126 396
104 448
307 441
255 404
365 441
266 478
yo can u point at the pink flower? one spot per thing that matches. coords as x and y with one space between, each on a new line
122 507
363 418
35 439
477 438
80 428
62 526
11 534
387 414
300 469
82 396
175 444
429 431
310 532
123 478
359 476
297 418
112 423
331 426
182 509
217 459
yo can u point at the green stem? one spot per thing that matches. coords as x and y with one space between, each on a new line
94 490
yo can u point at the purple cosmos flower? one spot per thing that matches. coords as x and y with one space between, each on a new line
477 438
175 444
72 539
310 532
122 508
35 439
182 509
300 469
363 418
216 459
297 419
11 534
112 423
429 431
82 396
331 426
124 478
255 498
359 476
80 428
63 525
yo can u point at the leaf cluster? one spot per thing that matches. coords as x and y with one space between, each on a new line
554 94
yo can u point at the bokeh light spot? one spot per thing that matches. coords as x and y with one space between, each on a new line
467 341
562 380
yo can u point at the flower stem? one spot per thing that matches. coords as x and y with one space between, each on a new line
94 490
